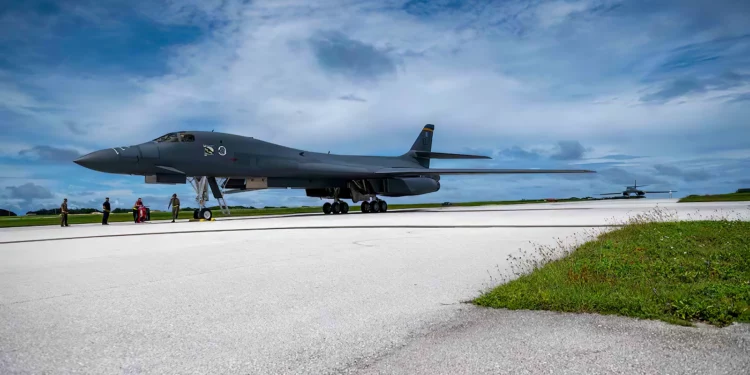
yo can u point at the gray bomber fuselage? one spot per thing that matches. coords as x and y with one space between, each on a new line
228 155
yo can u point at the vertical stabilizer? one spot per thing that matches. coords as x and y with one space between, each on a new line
424 143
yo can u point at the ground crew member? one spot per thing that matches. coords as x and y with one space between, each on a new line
175 204
135 210
64 213
105 211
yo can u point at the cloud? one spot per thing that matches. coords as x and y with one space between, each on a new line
516 152
738 98
568 150
691 175
28 192
675 89
76 128
624 177
352 98
50 154
563 150
339 54
620 157
684 86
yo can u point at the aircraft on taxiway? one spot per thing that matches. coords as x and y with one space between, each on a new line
248 164
638 192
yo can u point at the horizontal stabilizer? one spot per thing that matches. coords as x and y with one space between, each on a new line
444 155
433 171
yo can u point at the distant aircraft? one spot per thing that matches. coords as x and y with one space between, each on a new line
248 164
638 192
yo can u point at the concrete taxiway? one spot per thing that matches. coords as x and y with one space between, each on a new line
376 293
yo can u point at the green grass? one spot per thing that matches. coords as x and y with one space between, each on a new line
23 221
678 272
731 197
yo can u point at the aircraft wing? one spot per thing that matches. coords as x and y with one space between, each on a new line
656 192
611 193
450 171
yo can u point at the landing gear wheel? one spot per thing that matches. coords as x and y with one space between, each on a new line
336 208
383 206
365 207
206 214
196 214
374 206
344 208
326 208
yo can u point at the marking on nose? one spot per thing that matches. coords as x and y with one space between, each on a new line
115 151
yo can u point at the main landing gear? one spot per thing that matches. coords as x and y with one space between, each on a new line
337 207
340 207
374 206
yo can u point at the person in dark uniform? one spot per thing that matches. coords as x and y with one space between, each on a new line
175 204
105 211
64 213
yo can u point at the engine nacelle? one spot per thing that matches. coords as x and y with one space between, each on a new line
397 187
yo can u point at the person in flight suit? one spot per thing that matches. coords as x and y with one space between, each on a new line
105 211
64 213
175 204
137 204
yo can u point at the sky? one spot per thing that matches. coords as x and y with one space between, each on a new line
657 92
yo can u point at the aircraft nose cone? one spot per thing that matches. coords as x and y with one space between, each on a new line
98 160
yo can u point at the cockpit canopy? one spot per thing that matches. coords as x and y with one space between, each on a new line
175 137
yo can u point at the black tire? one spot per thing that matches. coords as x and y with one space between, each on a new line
206 214
375 207
383 206
148 214
336 208
365 207
344 208
327 208
196 214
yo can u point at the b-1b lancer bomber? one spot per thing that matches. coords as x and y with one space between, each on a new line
247 164
638 192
